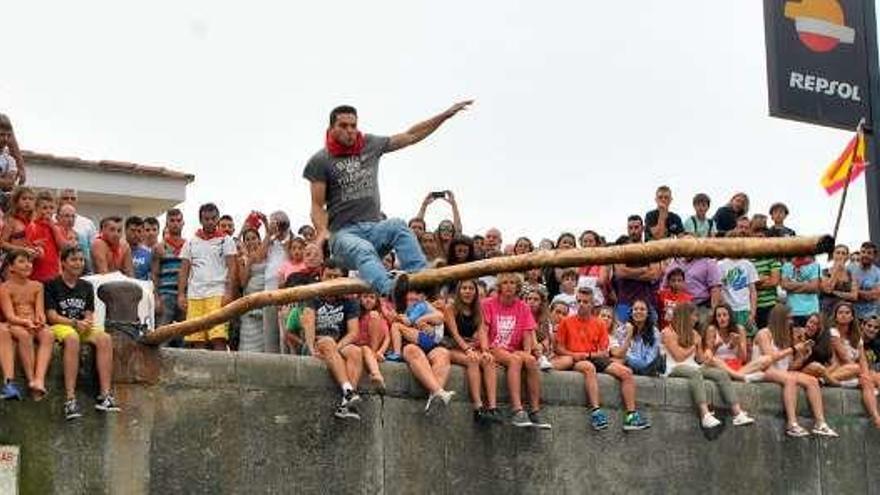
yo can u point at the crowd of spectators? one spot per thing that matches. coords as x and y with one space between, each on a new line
787 321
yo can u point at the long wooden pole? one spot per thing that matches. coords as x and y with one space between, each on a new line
628 253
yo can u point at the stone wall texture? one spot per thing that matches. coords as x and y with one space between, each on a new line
219 423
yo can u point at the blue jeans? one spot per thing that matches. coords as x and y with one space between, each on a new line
170 313
361 246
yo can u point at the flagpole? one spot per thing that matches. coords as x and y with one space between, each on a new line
849 171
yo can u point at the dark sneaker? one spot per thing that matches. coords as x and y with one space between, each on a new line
494 415
10 391
350 398
480 417
521 419
107 403
72 410
635 421
598 419
394 357
347 412
399 290
538 422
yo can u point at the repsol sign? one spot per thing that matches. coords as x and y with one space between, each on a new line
817 69
818 84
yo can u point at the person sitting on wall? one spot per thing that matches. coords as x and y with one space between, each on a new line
70 305
330 325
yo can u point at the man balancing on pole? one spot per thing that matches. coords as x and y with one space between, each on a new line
344 180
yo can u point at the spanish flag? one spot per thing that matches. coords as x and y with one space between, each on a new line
835 176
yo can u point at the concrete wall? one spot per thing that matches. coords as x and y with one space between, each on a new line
244 423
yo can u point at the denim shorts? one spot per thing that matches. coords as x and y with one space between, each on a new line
426 342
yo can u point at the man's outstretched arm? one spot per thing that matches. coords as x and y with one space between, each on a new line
423 129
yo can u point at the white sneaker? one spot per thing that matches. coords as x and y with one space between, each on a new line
442 395
446 396
742 419
795 430
823 430
544 364
709 421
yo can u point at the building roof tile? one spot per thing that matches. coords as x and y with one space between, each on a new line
107 166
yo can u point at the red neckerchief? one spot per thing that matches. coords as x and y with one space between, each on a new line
337 149
206 237
176 244
801 261
115 251
42 221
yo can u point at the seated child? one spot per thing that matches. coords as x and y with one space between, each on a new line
373 336
289 315
674 293
567 288
421 324
22 303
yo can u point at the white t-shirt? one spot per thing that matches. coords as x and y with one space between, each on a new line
275 257
847 347
207 273
736 278
85 228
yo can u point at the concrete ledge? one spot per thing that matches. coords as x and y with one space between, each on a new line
229 423
191 368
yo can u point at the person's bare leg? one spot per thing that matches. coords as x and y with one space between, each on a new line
335 364
440 365
472 373
490 379
354 363
591 382
513 363
869 397
421 368
533 380
814 395
372 365
25 342
45 340
7 353
627 384
396 338
789 392
70 348
562 363
845 372
104 361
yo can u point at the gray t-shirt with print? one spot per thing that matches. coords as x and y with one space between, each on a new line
352 182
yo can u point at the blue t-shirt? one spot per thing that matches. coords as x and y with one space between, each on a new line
868 279
141 258
640 355
416 311
802 304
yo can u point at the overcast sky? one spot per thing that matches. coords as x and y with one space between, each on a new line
583 108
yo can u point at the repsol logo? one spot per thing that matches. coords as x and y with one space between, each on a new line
821 85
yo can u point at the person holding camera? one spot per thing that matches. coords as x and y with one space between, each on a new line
346 210
447 229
